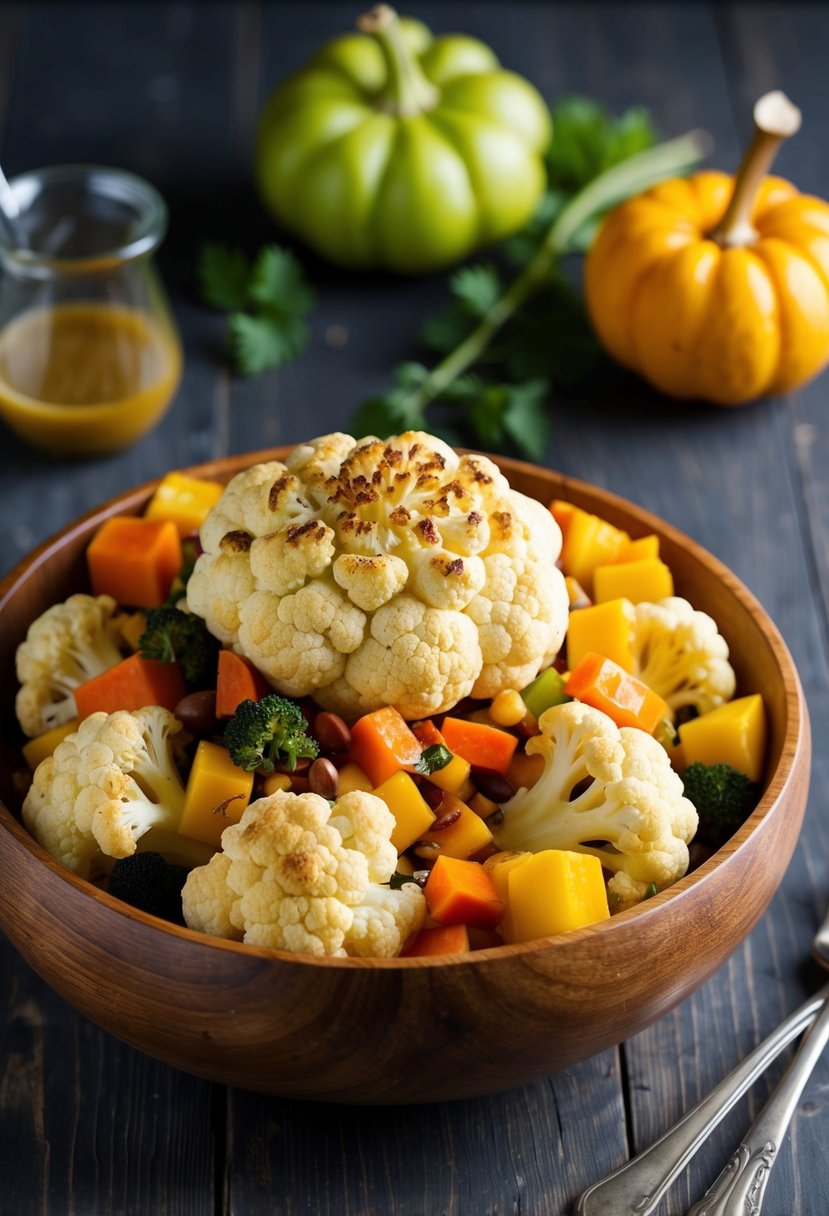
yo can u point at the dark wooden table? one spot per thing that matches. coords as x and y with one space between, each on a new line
171 90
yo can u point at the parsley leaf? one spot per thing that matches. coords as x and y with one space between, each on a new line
267 304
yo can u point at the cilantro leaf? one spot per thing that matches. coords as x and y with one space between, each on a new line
277 282
259 343
526 418
266 302
432 759
477 288
224 275
447 329
589 139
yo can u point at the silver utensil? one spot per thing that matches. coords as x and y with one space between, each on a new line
740 1188
636 1188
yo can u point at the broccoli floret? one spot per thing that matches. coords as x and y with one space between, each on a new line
262 734
723 798
174 636
148 882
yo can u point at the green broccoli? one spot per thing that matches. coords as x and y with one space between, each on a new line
148 882
171 635
723 798
262 734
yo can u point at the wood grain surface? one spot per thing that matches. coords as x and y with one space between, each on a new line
89 1126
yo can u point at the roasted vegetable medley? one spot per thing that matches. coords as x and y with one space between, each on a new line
373 701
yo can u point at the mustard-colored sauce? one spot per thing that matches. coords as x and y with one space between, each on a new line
86 377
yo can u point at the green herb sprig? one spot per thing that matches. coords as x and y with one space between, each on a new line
499 357
267 302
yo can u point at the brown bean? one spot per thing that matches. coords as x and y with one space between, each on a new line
431 794
332 733
197 712
492 785
324 779
446 821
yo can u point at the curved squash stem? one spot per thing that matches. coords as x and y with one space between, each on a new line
408 92
621 181
775 119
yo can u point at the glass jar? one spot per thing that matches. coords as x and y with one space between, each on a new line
89 354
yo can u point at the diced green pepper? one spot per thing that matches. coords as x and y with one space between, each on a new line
545 691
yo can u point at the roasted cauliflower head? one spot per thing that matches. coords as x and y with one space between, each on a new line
379 572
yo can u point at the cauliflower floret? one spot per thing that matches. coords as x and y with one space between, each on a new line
104 786
679 652
66 646
315 569
298 874
605 791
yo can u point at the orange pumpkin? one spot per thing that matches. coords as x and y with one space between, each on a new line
713 287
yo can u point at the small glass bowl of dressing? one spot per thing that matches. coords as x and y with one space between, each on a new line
90 357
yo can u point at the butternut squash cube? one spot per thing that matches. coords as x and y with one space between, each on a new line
412 815
553 892
604 628
463 838
131 628
648 579
734 733
218 791
499 869
352 777
590 542
184 500
643 546
38 749
453 776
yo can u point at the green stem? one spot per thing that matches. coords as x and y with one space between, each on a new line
630 177
408 92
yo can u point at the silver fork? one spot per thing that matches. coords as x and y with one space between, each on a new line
636 1188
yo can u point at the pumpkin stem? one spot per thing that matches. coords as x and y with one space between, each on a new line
775 119
408 92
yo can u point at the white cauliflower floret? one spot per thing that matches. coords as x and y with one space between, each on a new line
66 646
605 791
679 652
105 785
299 874
315 569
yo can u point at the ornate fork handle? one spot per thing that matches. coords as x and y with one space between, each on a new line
740 1188
636 1188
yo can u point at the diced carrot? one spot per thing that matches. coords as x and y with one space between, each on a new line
600 682
134 560
443 939
382 743
483 746
427 733
562 513
131 684
460 892
237 680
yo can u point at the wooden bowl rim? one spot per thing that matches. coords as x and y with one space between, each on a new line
796 733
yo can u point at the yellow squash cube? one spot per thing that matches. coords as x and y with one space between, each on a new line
647 579
38 749
218 791
590 542
553 892
453 776
412 815
635 550
606 629
463 838
352 777
499 869
185 500
734 733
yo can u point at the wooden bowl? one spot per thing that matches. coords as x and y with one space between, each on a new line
402 1030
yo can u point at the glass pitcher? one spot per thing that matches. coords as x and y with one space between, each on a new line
90 358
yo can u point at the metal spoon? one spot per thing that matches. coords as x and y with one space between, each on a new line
636 1188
